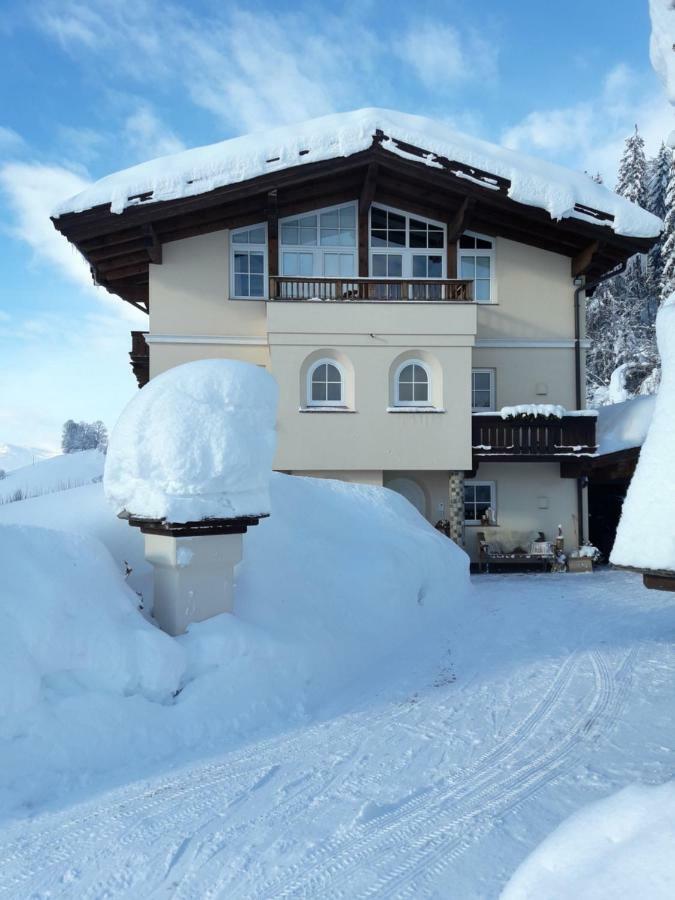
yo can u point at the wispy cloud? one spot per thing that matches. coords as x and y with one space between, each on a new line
148 136
10 140
590 134
443 58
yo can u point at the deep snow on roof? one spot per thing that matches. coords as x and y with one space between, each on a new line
533 182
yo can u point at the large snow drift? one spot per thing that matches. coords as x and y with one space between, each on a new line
196 442
70 624
661 43
533 182
645 537
337 580
622 426
619 848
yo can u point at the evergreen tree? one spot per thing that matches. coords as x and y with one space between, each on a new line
632 180
668 239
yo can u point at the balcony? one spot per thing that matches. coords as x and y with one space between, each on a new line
532 438
395 290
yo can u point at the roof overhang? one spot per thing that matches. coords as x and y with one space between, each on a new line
120 247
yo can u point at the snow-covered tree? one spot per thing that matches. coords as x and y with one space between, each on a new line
668 238
84 436
632 180
70 437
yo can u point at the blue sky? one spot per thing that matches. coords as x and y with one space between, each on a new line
91 86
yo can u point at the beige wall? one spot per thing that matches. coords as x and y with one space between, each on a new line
529 374
534 295
370 340
521 487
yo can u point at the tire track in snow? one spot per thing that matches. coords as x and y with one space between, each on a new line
411 845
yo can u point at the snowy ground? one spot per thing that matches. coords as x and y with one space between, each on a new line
436 778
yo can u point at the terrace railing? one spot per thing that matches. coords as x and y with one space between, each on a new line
283 287
536 437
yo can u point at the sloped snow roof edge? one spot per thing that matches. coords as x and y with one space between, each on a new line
533 182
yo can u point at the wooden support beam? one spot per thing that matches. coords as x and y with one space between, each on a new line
584 258
272 214
153 244
458 224
368 189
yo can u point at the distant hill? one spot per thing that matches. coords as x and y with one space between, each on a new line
58 473
14 456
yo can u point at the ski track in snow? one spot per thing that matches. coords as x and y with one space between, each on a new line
188 834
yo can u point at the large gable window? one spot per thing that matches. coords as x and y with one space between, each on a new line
248 262
476 262
405 246
320 243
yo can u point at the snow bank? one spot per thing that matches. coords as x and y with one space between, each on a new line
314 611
532 181
645 537
619 848
624 425
661 43
60 473
70 624
196 442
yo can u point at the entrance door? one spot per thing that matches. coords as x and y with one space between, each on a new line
412 492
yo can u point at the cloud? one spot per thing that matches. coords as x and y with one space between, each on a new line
147 135
590 135
442 57
32 190
10 140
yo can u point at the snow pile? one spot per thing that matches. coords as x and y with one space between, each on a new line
533 182
196 442
619 848
552 410
645 537
624 425
60 473
313 611
70 624
661 43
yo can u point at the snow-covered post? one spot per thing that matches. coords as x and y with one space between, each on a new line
189 463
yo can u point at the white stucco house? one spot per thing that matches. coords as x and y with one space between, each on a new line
404 284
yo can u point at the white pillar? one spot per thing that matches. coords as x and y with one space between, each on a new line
194 577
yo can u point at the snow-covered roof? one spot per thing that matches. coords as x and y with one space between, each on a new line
532 181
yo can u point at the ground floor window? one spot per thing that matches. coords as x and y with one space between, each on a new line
479 497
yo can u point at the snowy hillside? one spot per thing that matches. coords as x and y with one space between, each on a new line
13 456
58 473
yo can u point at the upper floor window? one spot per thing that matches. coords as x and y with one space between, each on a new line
482 389
413 384
248 261
405 246
320 243
476 261
325 384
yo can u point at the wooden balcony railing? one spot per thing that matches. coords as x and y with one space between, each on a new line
284 287
536 437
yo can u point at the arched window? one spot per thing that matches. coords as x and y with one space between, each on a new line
325 384
413 384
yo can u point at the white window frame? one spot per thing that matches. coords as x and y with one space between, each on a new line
310 372
493 498
318 250
462 253
248 248
491 373
421 403
406 253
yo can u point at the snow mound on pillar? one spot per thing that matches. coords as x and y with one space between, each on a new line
70 625
620 847
645 537
196 442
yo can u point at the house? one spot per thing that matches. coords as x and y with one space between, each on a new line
418 294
